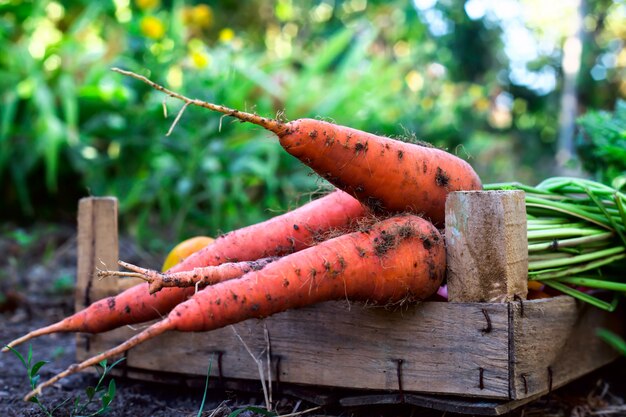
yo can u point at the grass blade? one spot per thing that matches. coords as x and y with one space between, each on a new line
612 339
206 387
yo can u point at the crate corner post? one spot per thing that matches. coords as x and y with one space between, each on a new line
97 248
486 245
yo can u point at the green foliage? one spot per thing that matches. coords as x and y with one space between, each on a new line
602 144
613 340
70 127
102 394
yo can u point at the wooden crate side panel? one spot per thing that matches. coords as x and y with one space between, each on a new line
443 348
554 342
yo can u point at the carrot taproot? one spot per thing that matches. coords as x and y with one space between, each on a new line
399 259
387 175
197 277
280 235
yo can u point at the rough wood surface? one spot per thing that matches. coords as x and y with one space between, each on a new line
554 342
486 246
443 348
97 248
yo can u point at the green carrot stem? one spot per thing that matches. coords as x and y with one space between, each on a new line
582 296
548 274
577 259
595 283
531 225
536 247
561 232
567 209
608 216
548 256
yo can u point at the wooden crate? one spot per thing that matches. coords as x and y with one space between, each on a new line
477 357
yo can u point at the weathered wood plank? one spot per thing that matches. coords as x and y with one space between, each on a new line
97 248
554 343
486 246
442 347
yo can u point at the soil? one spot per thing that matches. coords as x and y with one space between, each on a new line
36 288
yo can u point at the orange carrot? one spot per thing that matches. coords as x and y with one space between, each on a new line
197 277
287 233
385 174
398 259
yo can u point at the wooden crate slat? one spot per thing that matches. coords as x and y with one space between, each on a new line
554 342
442 348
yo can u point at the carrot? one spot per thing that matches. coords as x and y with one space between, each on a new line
385 174
287 233
197 277
398 259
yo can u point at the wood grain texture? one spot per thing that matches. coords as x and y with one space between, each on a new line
486 246
442 348
554 342
97 248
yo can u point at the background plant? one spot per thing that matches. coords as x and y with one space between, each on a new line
437 70
602 144
104 394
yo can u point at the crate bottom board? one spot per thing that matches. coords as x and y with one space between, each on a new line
493 351
324 396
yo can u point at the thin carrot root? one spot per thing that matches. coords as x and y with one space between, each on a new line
153 331
197 277
53 328
272 125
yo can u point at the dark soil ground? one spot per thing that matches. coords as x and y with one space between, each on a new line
36 288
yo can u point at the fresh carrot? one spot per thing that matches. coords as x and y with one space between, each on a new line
398 259
197 277
385 174
287 233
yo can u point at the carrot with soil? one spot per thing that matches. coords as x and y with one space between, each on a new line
387 175
280 235
397 260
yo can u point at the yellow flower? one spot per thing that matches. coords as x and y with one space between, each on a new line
152 27
200 16
203 15
199 59
147 4
226 35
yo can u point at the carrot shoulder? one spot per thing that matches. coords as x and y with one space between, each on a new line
287 233
397 260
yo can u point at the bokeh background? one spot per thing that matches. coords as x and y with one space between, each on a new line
522 89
